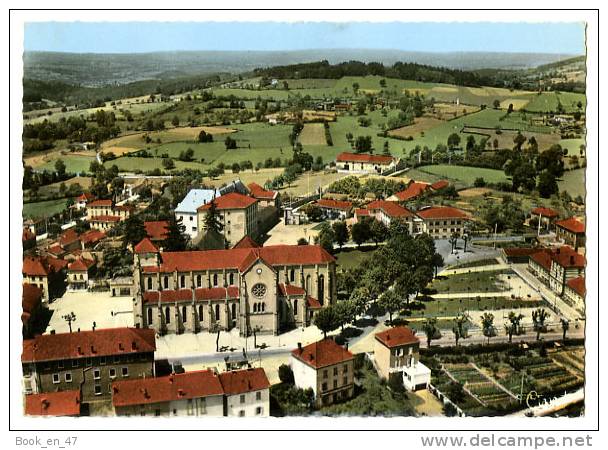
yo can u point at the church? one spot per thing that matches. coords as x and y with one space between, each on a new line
263 289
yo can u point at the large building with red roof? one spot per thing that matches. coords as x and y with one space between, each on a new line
386 211
265 197
237 213
247 393
263 288
47 273
54 404
556 267
79 272
87 360
365 163
31 302
574 293
104 214
335 209
440 222
325 367
571 232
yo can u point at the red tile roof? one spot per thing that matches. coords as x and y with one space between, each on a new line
440 185
124 208
334 204
100 203
441 212
180 295
92 236
322 353
542 258
85 197
571 224
104 342
566 257
80 265
290 289
56 249
68 237
578 285
361 212
30 299
157 230
364 158
545 212
241 381
56 264
27 234
40 266
247 242
391 209
145 246
397 336
104 219
63 403
259 192
233 200
414 190
189 385
242 258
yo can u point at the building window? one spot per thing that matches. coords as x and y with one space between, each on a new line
149 316
200 313
241 413
166 282
292 275
325 373
231 278
125 371
215 279
182 280
345 381
335 371
345 368
75 363
112 373
258 395
190 407
68 377
242 398
167 315
335 384
55 378
198 281
184 314
89 362
102 360
324 387
96 374
97 389
258 290
258 411
217 312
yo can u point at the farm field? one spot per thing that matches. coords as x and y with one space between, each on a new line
421 125
53 189
573 182
312 134
505 138
43 209
466 175
548 101
73 163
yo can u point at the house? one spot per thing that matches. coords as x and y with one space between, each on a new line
31 305
122 287
46 273
90 238
89 360
79 272
574 292
265 197
364 163
325 367
195 394
83 200
186 210
544 216
570 231
69 240
517 255
104 214
237 213
386 211
414 190
247 393
396 350
61 403
157 230
335 209
28 239
190 291
441 221
555 267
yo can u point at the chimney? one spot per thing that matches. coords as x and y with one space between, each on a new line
346 346
300 347
115 389
79 350
180 392
52 331
93 349
45 403
133 345
120 347
572 259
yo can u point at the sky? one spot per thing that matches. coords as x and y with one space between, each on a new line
140 37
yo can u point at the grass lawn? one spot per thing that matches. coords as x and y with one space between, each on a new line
471 282
451 307
573 181
349 258
466 175
548 101
53 189
43 209
73 163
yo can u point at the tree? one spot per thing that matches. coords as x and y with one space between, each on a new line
60 168
230 143
391 302
286 374
565 327
487 325
513 326
437 261
378 231
510 108
363 144
519 140
302 241
176 240
344 312
547 184
134 230
453 141
356 88
203 136
479 182
453 241
360 232
539 316
212 219
496 104
326 237
168 163
430 330
326 320
459 327
175 121
69 318
524 176
340 232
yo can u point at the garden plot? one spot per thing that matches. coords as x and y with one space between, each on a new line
482 388
548 377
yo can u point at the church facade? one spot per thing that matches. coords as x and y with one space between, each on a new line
264 290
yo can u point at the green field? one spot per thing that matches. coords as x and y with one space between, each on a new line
350 258
573 182
43 209
466 175
548 101
73 163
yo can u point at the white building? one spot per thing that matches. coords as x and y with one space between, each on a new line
247 393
